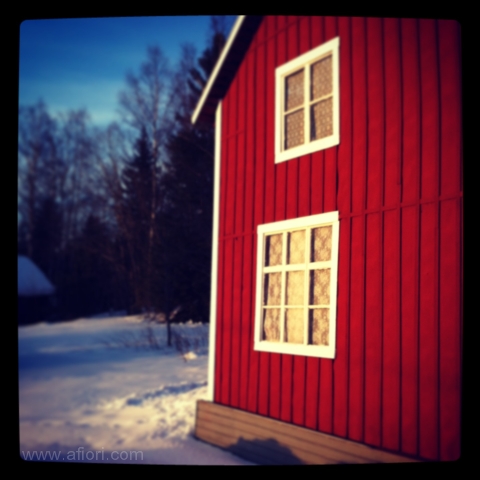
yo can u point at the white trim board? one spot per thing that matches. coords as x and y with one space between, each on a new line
218 67
214 274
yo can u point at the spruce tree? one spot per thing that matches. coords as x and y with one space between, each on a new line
139 199
188 196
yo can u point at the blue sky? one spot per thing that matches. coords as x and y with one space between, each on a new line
82 63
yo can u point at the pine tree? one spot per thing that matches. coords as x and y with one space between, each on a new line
188 196
137 216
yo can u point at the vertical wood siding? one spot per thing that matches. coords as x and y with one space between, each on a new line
395 179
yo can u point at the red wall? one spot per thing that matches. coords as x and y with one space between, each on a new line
396 181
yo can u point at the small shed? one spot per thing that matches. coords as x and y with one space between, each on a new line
337 272
35 292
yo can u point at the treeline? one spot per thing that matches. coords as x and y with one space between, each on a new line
121 217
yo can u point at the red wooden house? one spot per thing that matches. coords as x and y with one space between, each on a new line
336 318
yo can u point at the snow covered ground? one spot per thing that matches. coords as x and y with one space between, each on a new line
108 390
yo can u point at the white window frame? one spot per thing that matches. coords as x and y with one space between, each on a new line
284 227
305 61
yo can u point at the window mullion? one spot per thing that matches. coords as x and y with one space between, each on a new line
306 285
306 98
283 288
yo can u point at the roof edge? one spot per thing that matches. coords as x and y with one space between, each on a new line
232 48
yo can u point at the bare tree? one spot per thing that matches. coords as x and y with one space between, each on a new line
145 105
36 156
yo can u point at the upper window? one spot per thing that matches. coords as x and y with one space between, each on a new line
307 103
297 286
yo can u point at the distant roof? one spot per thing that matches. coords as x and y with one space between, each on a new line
31 280
226 67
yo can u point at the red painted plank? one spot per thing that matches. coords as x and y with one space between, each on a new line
249 145
318 31
259 162
391 332
331 28
269 204
373 330
450 91
292 40
236 315
393 112
275 382
428 336
261 33
286 388
281 22
325 413
250 241
409 322
340 366
430 110
259 135
219 323
359 114
270 133
330 159
357 331
317 182
411 111
344 165
298 397
225 361
311 392
270 25
231 163
247 321
330 180
304 186
304 37
238 209
450 330
263 384
376 113
346 119
240 151
254 361
280 168
292 19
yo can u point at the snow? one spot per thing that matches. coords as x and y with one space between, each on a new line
109 390
31 280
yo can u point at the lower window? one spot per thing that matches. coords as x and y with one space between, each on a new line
297 286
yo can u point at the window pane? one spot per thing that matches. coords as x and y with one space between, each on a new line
294 129
294 90
296 247
322 80
272 288
294 325
321 244
322 119
318 323
271 324
273 250
320 287
295 288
